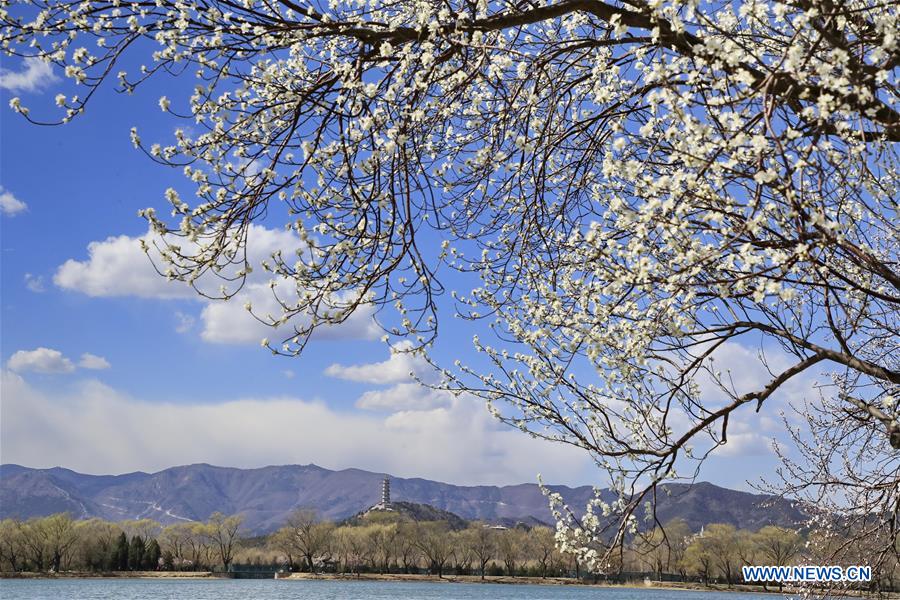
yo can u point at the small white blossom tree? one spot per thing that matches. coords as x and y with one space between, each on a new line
636 183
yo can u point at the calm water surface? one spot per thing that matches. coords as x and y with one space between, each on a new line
253 589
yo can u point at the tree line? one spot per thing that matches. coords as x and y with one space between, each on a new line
385 542
60 543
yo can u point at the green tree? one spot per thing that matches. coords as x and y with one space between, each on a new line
146 528
120 553
652 551
151 557
96 545
136 551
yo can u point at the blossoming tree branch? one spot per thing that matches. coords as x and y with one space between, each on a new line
635 184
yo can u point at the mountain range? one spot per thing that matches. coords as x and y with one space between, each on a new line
265 496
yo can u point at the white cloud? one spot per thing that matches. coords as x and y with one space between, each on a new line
460 443
749 435
40 360
746 444
34 283
185 322
402 369
9 204
35 75
404 396
118 267
93 362
48 360
230 323
395 369
742 369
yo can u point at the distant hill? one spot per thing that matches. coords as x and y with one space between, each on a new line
410 511
265 496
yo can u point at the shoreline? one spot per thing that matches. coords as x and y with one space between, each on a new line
741 588
550 581
110 575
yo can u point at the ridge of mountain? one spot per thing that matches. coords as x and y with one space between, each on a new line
267 495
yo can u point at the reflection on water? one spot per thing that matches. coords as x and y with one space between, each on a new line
254 589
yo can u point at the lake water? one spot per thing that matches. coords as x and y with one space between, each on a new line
269 589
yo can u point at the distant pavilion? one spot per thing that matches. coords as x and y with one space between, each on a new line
385 503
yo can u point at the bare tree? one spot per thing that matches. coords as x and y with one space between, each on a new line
407 551
310 537
12 547
461 554
698 558
845 476
511 549
34 535
181 540
283 541
147 529
721 540
433 540
662 548
223 533
61 535
352 544
542 543
777 545
480 539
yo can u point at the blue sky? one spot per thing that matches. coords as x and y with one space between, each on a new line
172 379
